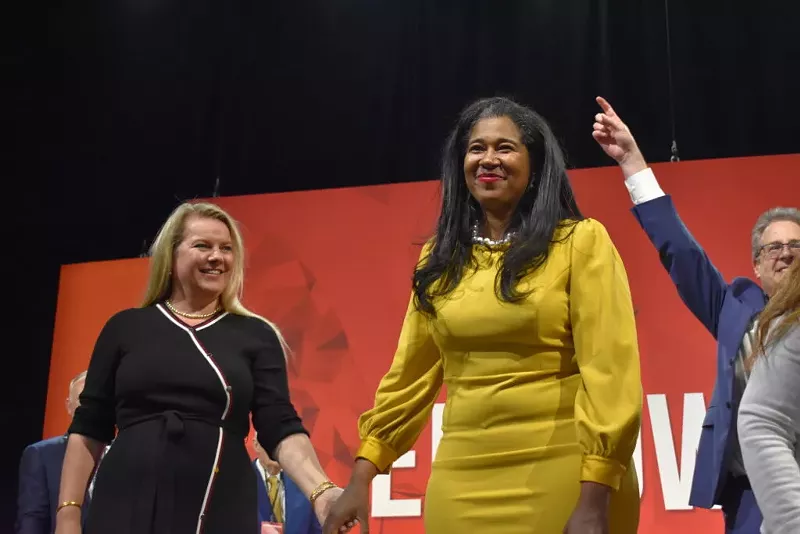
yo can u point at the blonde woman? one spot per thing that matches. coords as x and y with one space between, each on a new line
769 416
179 378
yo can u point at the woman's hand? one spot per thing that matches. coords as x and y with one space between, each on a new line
616 139
588 520
591 513
350 508
324 503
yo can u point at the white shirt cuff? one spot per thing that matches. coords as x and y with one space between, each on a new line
643 186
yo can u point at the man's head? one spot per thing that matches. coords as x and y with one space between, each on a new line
75 389
270 466
776 244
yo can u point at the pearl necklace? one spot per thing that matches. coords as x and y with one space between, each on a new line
476 238
191 315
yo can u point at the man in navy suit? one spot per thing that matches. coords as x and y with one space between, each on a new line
40 475
728 311
279 499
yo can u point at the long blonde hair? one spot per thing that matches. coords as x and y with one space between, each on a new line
784 304
162 257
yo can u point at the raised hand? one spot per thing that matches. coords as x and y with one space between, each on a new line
616 139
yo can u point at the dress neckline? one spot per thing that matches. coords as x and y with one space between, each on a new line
175 318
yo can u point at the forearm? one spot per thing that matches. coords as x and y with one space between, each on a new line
79 462
595 494
363 472
298 459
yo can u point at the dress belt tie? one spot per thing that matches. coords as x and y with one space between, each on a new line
156 505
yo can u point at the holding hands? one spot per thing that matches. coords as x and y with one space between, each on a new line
329 502
351 508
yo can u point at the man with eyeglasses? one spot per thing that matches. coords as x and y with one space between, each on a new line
728 311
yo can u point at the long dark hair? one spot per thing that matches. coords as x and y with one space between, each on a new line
547 203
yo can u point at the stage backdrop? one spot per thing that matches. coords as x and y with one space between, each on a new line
332 268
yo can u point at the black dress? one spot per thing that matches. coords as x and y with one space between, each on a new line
180 397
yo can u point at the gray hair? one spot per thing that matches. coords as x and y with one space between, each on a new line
768 217
79 376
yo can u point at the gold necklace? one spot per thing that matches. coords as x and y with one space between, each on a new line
191 315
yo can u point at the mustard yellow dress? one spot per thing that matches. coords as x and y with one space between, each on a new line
541 394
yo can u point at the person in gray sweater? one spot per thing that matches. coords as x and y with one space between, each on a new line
769 414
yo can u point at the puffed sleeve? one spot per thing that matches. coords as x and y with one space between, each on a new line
273 414
405 395
96 417
608 405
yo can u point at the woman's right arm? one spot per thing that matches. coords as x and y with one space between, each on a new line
403 405
404 399
92 427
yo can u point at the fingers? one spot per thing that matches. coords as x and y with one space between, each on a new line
608 121
337 525
600 130
609 124
347 527
605 106
602 134
363 520
608 117
333 525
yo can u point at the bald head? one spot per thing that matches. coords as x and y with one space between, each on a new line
75 389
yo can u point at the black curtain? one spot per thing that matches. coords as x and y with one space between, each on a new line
116 110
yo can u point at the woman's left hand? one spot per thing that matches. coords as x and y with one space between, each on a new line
588 519
324 503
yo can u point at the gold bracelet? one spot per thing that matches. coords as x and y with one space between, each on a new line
322 488
68 503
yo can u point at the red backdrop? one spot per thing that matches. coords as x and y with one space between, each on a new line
332 268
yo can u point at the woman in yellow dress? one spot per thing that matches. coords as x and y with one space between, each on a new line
521 307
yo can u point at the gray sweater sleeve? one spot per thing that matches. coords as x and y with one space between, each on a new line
769 424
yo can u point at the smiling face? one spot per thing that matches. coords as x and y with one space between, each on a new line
497 164
780 246
204 258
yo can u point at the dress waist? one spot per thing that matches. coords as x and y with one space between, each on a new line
173 421
156 507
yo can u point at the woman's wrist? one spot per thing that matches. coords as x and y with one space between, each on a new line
595 495
363 472
320 490
68 512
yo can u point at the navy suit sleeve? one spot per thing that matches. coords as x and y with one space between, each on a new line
33 501
700 285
